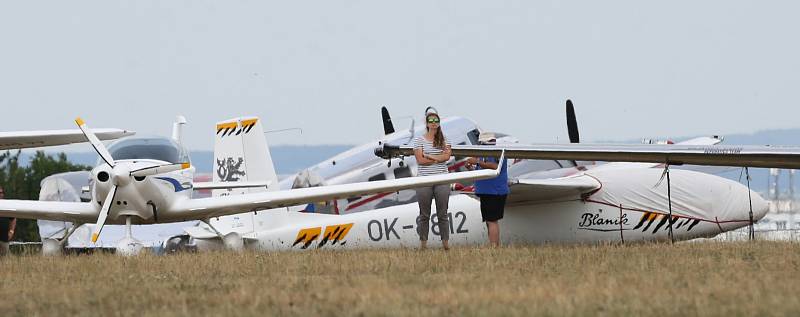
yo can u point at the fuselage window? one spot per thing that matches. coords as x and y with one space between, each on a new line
148 148
473 136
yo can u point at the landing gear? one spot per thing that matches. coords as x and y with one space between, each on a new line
232 241
129 246
178 244
55 247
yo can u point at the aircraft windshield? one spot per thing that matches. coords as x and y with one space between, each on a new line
473 136
161 149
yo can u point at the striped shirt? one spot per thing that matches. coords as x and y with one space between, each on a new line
427 148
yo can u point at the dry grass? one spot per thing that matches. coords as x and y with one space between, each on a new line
730 279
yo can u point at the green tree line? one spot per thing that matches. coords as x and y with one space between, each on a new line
21 181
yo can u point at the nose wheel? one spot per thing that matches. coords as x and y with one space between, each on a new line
129 246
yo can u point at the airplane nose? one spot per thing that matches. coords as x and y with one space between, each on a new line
760 206
121 175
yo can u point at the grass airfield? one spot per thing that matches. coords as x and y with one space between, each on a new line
714 278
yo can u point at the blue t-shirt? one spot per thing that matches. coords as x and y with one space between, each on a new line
493 186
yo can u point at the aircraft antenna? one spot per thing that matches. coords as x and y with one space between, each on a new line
283 130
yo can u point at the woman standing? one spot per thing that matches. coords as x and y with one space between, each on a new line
432 151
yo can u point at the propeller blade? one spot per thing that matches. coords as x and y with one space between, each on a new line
101 219
572 124
160 169
98 146
388 127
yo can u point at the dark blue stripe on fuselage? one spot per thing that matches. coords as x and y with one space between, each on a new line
175 183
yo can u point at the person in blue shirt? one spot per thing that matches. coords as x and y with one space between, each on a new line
492 192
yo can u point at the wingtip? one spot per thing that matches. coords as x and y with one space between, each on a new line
79 121
185 165
94 237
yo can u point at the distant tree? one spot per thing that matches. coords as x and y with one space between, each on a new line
24 182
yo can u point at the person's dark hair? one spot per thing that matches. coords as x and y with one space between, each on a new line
438 138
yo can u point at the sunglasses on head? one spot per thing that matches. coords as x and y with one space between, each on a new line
433 120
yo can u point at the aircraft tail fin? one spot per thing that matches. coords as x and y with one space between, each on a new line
241 154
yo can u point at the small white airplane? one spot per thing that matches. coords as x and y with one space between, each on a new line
149 180
604 203
74 186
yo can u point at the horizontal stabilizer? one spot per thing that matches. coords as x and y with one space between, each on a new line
229 185
550 189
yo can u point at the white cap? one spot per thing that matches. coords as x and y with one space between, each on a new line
430 110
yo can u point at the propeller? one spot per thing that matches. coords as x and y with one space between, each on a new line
121 174
388 127
572 124
101 219
98 146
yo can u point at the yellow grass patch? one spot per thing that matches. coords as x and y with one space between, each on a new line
730 279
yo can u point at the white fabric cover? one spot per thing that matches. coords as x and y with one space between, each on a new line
693 194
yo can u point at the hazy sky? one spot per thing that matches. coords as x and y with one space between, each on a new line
633 68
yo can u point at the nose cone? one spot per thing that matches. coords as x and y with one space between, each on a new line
760 206
122 174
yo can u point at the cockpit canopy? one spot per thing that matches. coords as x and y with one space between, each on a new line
152 148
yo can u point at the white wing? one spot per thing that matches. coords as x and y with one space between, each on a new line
695 141
49 210
551 189
27 139
227 205
673 154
